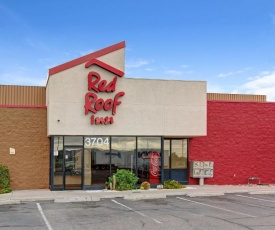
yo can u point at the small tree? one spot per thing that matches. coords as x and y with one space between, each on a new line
4 179
124 180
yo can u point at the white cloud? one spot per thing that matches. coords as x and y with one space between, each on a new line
262 85
260 74
136 63
173 72
212 88
20 76
184 66
83 53
233 72
265 72
225 74
37 44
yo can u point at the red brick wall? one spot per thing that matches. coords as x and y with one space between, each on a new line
25 130
240 140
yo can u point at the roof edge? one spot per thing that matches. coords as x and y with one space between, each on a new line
86 58
24 106
227 101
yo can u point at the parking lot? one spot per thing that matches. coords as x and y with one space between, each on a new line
232 211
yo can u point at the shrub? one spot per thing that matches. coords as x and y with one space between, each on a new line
124 180
4 179
172 184
145 185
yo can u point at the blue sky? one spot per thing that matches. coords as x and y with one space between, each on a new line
228 43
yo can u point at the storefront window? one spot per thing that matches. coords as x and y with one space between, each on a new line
103 156
73 140
179 154
149 159
58 161
166 154
96 160
123 153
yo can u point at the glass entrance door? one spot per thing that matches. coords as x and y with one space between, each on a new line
73 163
175 160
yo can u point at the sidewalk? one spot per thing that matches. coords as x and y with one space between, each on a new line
20 196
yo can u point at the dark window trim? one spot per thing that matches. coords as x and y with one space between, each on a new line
51 182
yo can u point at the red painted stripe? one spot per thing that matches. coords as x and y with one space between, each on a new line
104 66
223 101
86 58
23 106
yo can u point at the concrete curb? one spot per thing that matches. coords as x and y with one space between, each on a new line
261 192
33 199
45 195
205 194
144 196
7 202
72 199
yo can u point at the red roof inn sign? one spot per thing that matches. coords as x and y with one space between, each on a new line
97 86
101 97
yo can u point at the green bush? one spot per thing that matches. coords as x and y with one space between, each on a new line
4 179
172 184
124 180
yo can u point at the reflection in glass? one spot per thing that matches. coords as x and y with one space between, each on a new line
148 159
166 154
96 160
73 163
179 154
73 167
103 155
58 161
73 140
123 153
87 167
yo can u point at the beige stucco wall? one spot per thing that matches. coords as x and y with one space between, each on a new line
149 107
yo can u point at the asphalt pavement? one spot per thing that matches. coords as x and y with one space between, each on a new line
68 196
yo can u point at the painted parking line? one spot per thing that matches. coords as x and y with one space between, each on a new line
44 217
227 210
140 213
249 197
